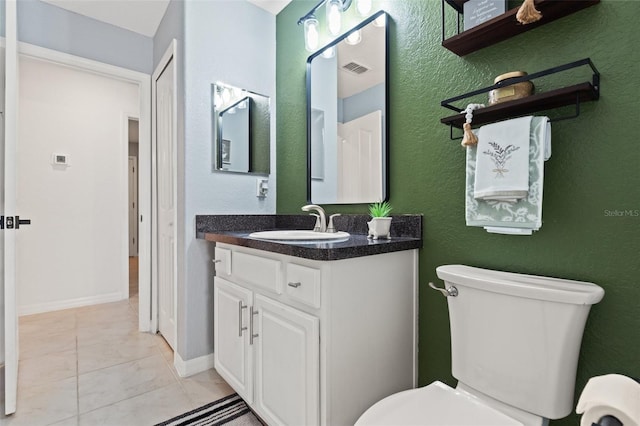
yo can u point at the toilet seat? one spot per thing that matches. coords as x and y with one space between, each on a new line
436 404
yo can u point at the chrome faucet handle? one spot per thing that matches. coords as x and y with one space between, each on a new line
316 227
330 227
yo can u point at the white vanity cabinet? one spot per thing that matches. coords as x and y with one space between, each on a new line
307 342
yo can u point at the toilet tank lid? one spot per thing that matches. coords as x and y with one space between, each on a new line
520 285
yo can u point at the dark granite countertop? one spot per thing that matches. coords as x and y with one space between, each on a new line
406 234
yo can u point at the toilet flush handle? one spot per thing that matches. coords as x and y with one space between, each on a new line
447 292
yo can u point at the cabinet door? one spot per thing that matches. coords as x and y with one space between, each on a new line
232 357
287 364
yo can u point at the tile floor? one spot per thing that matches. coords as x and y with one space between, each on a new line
90 366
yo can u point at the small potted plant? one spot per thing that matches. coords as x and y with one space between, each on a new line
380 224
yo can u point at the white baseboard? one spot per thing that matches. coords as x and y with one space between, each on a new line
192 366
38 308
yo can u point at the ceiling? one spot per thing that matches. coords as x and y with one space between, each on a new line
140 16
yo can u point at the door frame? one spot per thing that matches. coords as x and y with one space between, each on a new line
143 81
169 54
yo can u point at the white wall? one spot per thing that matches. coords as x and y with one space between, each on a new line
49 26
75 250
325 84
241 52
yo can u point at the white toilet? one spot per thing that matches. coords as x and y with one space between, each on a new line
515 341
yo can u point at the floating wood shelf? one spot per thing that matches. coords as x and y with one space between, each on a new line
505 26
566 96
557 98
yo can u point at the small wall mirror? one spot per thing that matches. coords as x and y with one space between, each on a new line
347 105
241 128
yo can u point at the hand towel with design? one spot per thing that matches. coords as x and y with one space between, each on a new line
525 215
502 161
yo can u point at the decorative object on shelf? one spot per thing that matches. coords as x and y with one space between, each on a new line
503 26
380 224
335 8
566 96
469 138
478 11
512 91
528 13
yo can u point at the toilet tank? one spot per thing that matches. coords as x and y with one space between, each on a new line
516 338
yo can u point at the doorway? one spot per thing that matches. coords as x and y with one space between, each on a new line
74 164
132 205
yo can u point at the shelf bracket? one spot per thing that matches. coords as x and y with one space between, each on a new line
451 134
569 117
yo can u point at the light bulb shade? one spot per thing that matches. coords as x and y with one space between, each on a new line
380 21
363 7
329 52
226 95
354 38
311 35
334 16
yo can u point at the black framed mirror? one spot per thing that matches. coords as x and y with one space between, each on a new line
347 117
241 129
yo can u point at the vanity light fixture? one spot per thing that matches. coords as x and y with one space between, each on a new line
335 8
311 34
334 16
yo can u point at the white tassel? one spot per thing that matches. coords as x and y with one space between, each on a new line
469 138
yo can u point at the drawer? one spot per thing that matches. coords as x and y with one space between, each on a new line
303 284
260 271
222 261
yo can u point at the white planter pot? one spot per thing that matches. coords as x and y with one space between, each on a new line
379 227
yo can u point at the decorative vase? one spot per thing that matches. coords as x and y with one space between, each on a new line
379 227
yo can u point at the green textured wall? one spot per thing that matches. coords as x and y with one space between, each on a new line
594 167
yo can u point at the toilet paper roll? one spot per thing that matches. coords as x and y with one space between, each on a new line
614 395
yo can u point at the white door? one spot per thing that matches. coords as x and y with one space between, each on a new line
166 179
360 159
232 354
133 206
9 207
287 352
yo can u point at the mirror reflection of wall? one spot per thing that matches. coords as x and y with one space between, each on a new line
348 88
235 135
241 128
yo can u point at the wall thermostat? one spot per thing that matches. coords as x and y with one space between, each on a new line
60 160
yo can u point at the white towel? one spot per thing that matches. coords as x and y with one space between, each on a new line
612 394
524 216
502 162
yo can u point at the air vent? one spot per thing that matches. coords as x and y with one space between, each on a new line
355 68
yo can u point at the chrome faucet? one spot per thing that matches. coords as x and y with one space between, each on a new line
321 222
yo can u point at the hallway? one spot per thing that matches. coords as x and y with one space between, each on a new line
91 366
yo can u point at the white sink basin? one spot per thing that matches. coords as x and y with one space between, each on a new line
297 235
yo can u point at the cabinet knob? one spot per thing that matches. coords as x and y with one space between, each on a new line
294 285
217 260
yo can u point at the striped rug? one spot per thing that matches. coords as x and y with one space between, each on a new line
230 410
